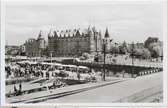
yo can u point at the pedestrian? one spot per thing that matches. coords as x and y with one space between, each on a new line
15 89
20 87
78 76
54 84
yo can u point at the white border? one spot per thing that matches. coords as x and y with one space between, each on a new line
165 51
39 2
2 53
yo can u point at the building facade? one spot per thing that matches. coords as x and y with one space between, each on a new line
35 47
74 42
23 49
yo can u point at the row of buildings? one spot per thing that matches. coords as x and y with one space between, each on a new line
35 47
67 43
76 42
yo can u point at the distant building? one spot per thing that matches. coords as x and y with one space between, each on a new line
35 47
139 45
74 42
12 50
23 50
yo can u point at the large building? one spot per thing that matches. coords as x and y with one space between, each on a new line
74 42
35 47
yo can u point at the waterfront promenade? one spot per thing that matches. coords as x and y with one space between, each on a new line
116 90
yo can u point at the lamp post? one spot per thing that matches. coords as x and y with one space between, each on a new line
78 48
105 42
51 56
96 45
115 51
132 54
104 55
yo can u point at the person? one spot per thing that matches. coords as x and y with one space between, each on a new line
78 76
20 87
54 84
47 75
15 89
42 74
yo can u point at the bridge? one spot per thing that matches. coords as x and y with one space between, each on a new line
139 70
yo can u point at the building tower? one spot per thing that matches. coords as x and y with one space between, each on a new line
41 41
41 44
108 39
91 40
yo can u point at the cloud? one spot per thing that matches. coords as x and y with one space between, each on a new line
125 21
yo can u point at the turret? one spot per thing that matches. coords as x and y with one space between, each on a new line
92 40
108 39
40 35
89 32
41 40
55 34
106 34
49 34
77 33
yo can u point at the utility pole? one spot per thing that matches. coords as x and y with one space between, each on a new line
104 63
105 42
132 54
96 45
104 55
51 56
115 51
78 48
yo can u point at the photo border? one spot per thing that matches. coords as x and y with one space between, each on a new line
164 4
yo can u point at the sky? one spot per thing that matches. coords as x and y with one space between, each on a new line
129 21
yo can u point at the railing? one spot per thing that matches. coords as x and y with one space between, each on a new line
19 80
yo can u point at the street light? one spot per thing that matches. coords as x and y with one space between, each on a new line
51 56
96 45
115 51
105 42
104 55
132 54
78 48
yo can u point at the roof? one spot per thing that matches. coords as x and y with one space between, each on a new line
106 33
72 32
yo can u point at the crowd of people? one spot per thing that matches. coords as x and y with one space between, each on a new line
29 70
54 76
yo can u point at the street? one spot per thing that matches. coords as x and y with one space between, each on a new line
114 92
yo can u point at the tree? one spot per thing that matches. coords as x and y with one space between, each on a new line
123 48
146 54
154 46
115 50
155 49
150 40
138 53
142 53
